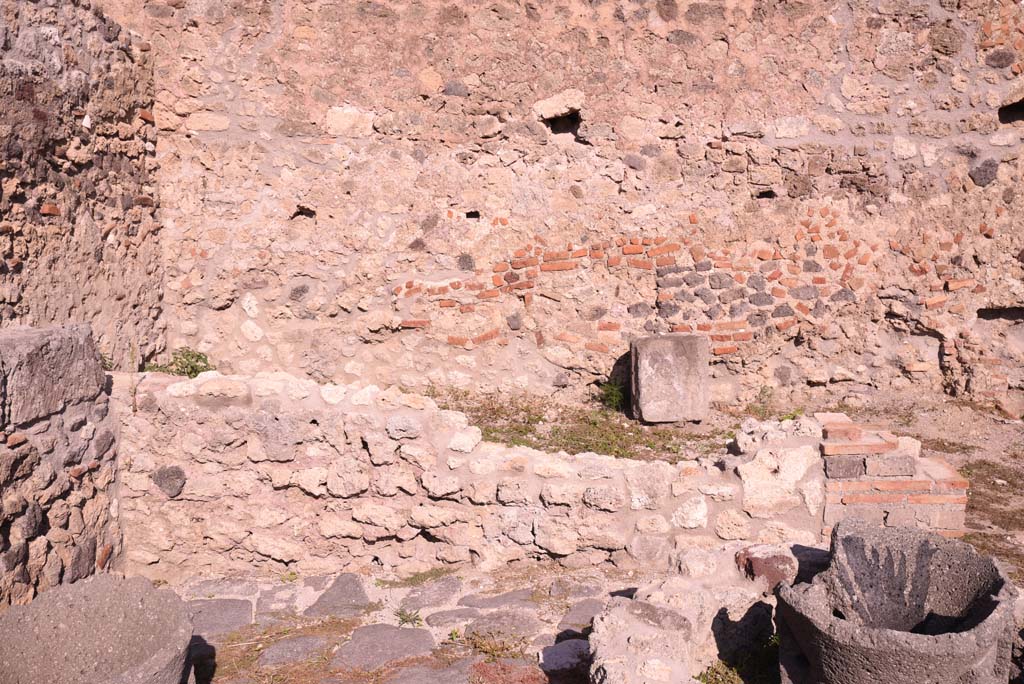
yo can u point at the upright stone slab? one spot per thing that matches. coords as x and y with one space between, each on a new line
670 378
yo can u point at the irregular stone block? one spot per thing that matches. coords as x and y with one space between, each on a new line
374 646
670 378
344 598
844 466
102 630
46 369
900 606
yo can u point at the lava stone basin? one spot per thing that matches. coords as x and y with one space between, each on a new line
900 606
102 630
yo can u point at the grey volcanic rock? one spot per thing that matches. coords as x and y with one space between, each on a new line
103 630
45 369
374 646
900 606
344 598
670 378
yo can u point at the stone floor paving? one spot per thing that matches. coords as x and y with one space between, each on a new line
522 626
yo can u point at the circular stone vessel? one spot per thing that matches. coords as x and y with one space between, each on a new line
900 606
102 630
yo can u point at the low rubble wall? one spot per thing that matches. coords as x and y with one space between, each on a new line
226 474
57 512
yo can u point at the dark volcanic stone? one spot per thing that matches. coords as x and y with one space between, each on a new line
170 480
1000 59
374 646
344 598
984 173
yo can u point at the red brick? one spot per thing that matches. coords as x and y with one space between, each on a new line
487 336
597 347
786 324
609 325
645 264
523 263
727 349
664 249
936 301
467 308
614 260
49 209
415 323
903 485
665 261
489 294
558 265
632 249
456 341
743 337
693 219
146 116
730 325
682 327
448 303
954 285
556 256
596 254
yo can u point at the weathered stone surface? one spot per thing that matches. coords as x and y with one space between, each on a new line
106 630
45 370
509 623
636 641
670 378
170 480
770 480
374 646
291 650
220 616
435 593
898 605
771 562
346 597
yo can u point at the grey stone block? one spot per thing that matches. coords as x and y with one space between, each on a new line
102 630
900 606
344 598
671 378
374 646
46 369
293 650
844 466
215 617
891 465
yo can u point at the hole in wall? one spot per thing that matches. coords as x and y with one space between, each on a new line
1008 313
1011 113
766 194
304 211
565 124
473 214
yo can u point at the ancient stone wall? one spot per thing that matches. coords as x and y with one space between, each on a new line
57 445
504 193
226 474
77 234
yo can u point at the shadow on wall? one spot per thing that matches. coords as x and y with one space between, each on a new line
746 645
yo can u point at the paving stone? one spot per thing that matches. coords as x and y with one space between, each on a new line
457 616
281 600
568 588
458 672
436 593
581 615
344 598
518 598
374 646
508 623
293 650
214 617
